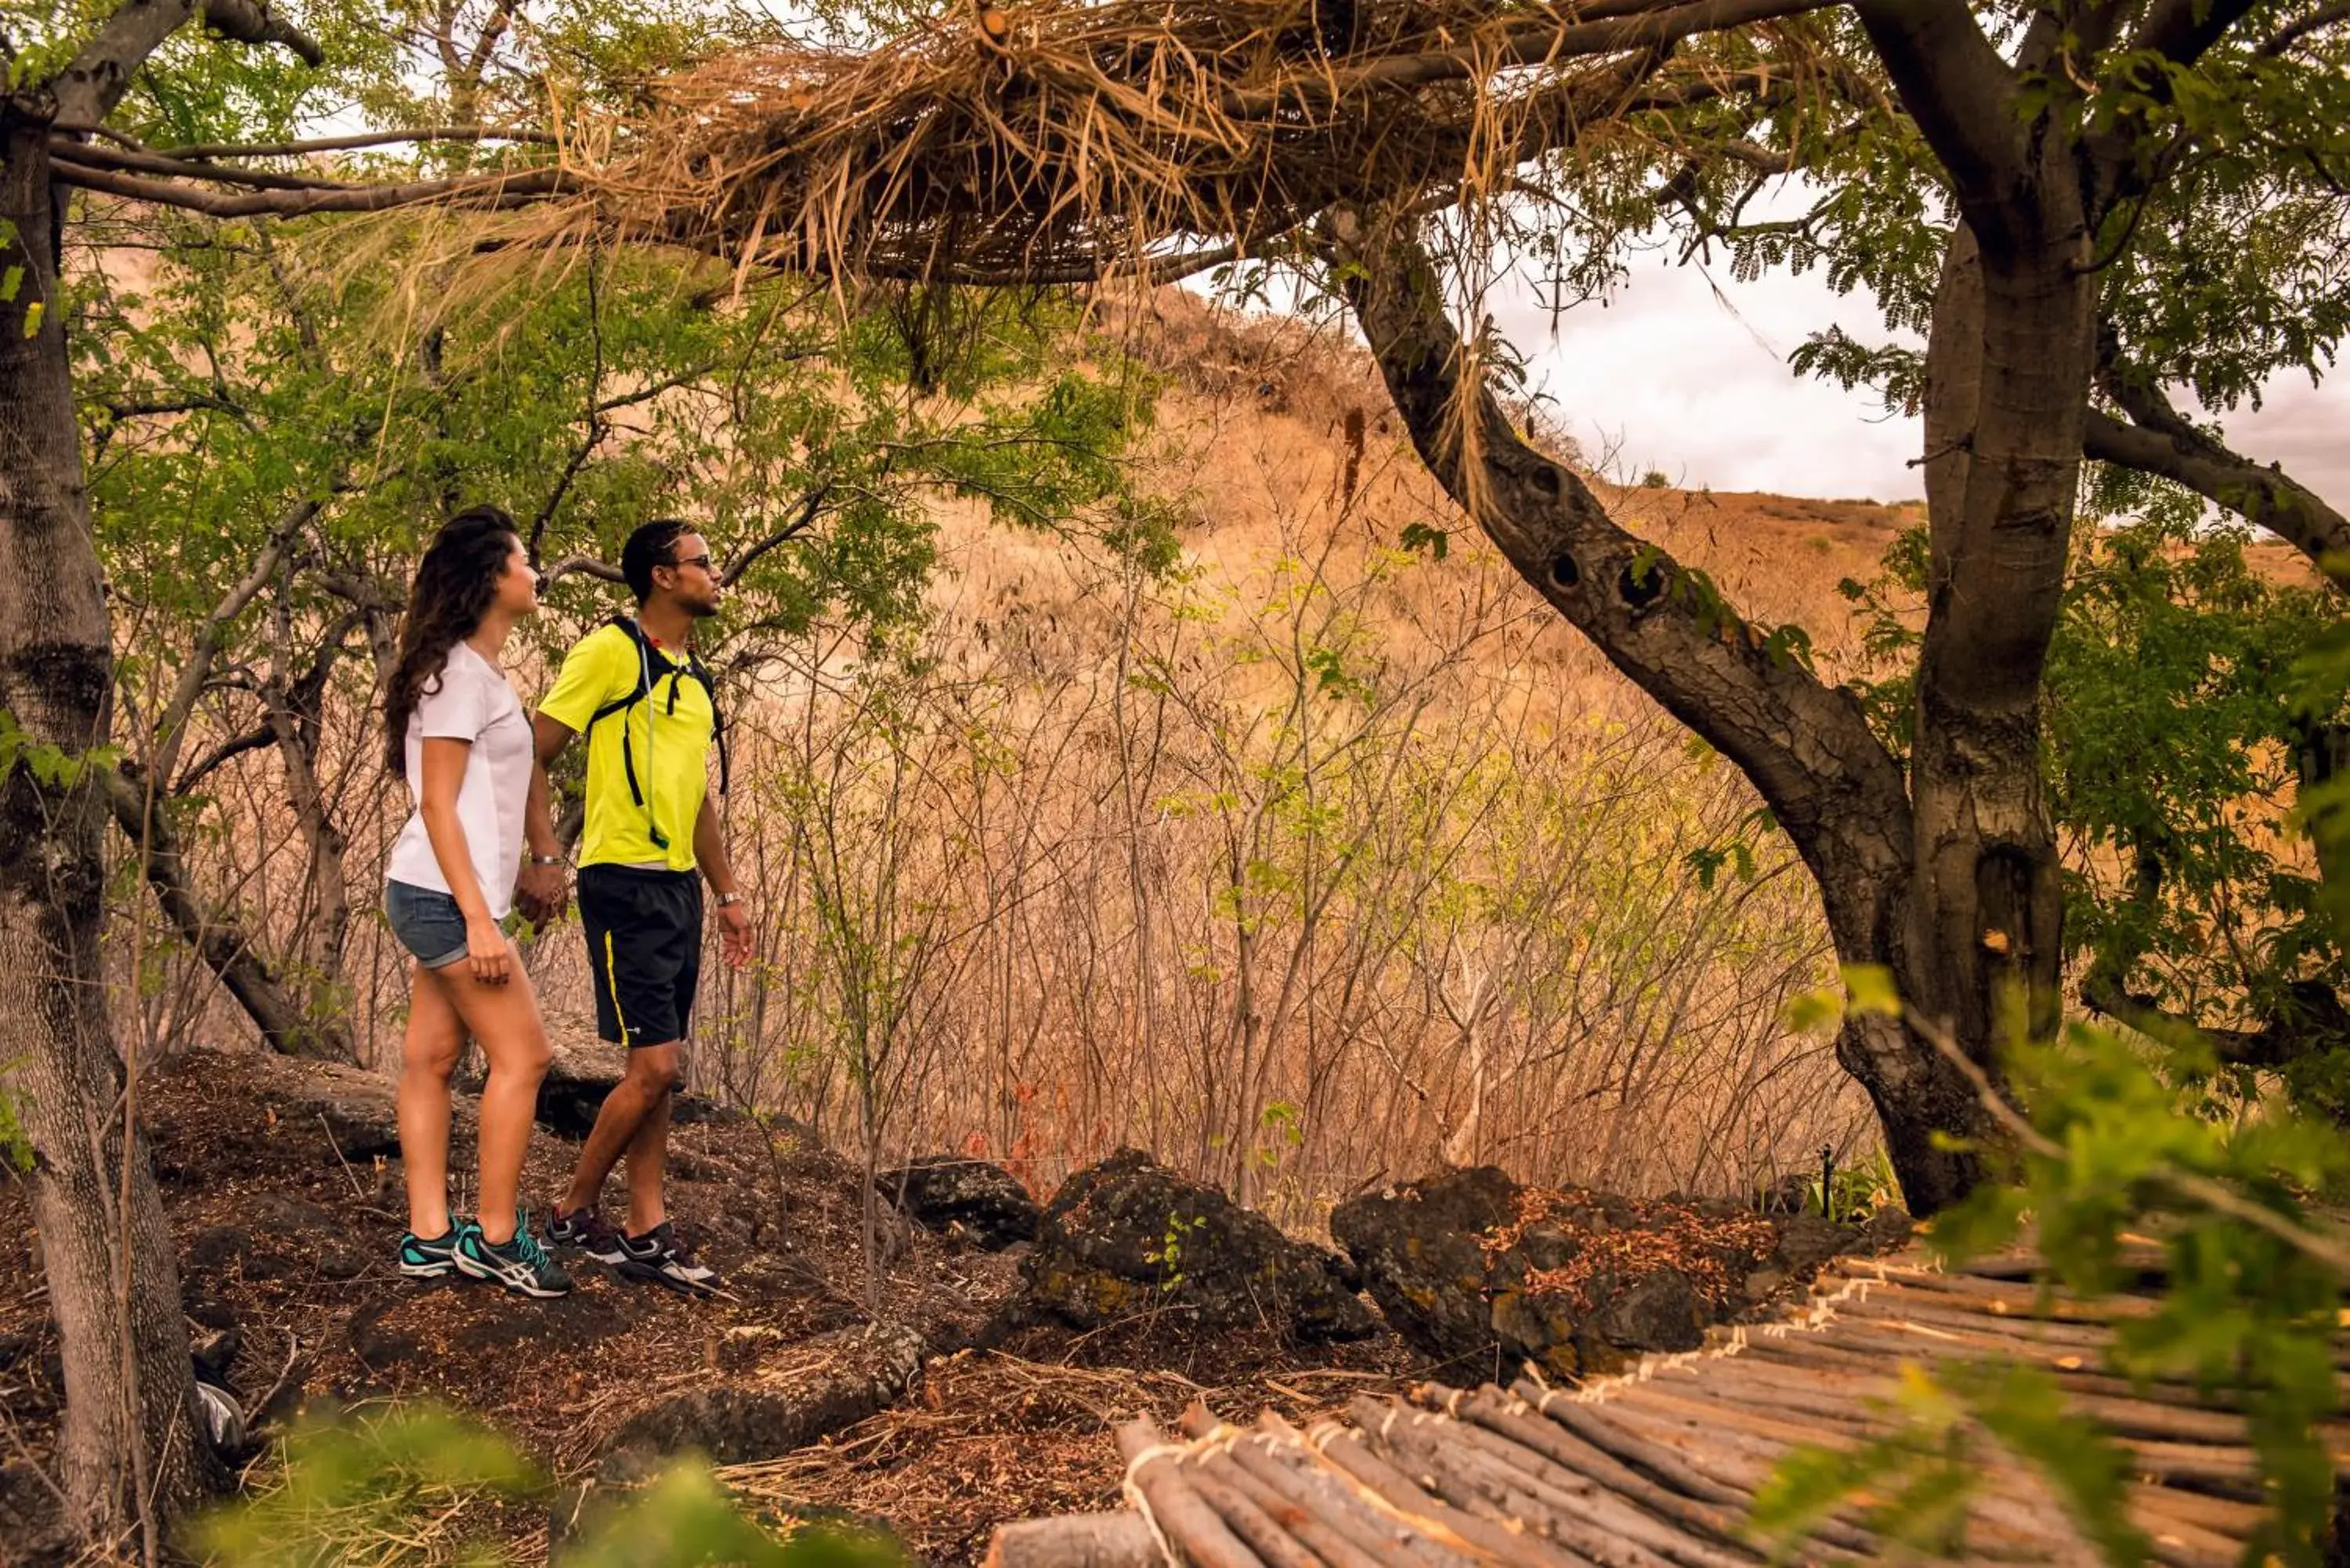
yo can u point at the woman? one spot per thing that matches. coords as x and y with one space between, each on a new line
456 731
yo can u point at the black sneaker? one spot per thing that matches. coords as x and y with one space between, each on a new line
520 1264
585 1229
658 1256
429 1257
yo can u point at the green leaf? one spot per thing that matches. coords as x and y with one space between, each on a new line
1871 988
1424 537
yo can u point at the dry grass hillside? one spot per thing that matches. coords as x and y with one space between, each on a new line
1323 861
1314 863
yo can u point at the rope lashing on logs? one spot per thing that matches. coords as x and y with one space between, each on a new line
1130 1489
1657 1466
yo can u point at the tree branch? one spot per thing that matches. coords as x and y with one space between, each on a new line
1961 96
473 190
220 756
744 562
71 149
592 439
582 566
647 394
1544 42
2183 31
2286 37
171 726
2267 497
87 91
1807 747
2283 1040
351 143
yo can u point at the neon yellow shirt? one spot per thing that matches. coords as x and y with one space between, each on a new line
669 736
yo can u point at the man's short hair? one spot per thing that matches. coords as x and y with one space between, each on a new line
652 544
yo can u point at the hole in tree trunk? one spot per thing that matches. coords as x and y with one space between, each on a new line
1545 479
1641 587
1564 572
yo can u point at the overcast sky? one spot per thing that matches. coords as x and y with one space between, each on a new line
1667 375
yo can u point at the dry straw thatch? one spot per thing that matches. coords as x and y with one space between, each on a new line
1068 140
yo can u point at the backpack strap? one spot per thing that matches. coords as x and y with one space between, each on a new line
647 680
620 705
700 672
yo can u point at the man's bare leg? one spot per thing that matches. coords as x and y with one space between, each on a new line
648 1161
642 1092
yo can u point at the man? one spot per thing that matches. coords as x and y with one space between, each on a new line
643 700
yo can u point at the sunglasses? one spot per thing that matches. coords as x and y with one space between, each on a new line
703 561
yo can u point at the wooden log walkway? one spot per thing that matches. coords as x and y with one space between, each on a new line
1656 1467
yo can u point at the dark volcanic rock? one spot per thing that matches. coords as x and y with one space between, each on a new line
970 1197
1130 1237
579 1076
1807 1240
1418 1255
1469 1267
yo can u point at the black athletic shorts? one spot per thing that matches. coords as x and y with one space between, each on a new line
644 942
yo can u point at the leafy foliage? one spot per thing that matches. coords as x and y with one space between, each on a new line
2249 1306
2184 694
384 1488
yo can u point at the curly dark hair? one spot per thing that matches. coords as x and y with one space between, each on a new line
455 583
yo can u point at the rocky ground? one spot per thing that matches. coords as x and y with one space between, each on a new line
976 1382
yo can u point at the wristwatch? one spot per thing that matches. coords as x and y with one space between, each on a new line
725 899
547 859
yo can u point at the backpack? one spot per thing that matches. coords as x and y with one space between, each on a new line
652 664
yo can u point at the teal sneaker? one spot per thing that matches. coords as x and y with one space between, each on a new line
520 1265
429 1257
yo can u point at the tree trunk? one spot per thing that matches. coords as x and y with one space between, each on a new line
1805 747
2008 365
129 1450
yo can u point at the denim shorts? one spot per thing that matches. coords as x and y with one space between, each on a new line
428 924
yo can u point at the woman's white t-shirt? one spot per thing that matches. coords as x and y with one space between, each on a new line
472 703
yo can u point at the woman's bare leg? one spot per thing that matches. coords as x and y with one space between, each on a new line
504 1019
428 1055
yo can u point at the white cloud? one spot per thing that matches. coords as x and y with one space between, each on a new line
1670 374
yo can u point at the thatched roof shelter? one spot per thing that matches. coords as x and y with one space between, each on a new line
1068 139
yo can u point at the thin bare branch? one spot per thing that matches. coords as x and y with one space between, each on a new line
581 567
2324 1245
354 142
810 504
592 437
171 727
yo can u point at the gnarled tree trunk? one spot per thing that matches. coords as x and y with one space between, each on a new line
1807 747
130 1445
